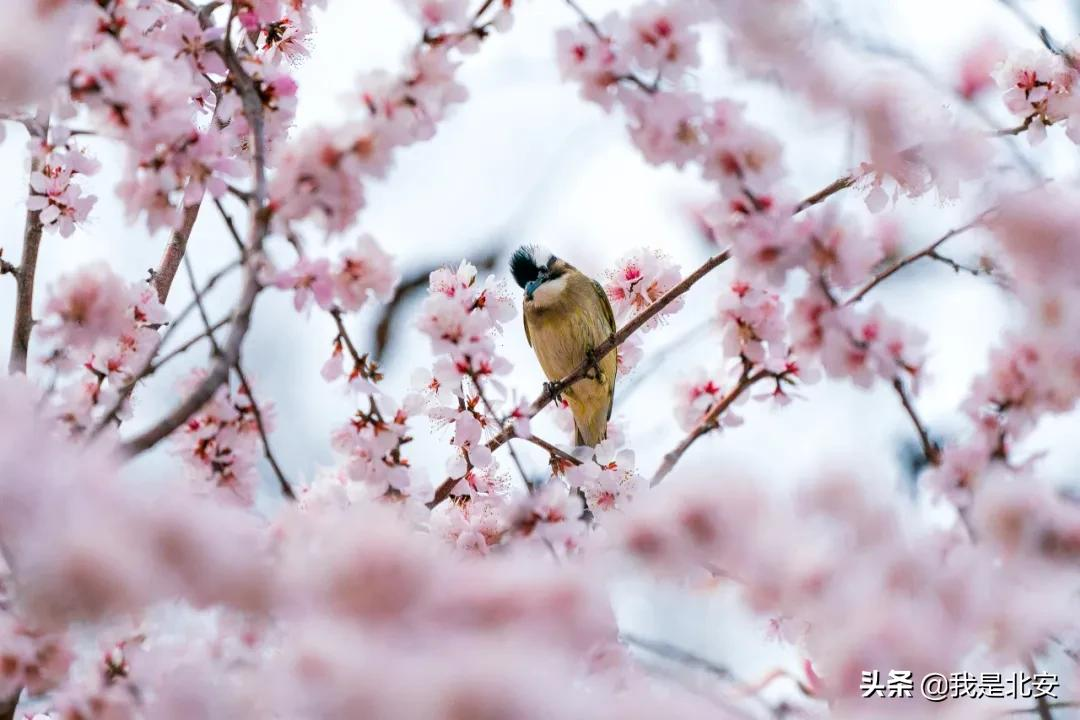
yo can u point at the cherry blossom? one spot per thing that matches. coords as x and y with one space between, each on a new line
638 280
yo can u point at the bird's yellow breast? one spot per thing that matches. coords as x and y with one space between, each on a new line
563 325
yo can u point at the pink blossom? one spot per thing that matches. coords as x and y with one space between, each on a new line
363 272
87 306
308 279
639 279
753 323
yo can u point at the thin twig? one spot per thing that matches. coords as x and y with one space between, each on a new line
286 488
553 450
929 447
829 190
708 423
925 252
187 345
499 421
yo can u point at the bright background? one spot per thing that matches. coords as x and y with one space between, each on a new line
526 161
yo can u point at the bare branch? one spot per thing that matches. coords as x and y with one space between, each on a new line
927 251
174 252
186 345
828 191
929 447
24 281
553 450
707 424
286 488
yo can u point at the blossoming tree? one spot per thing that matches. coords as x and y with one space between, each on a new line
391 586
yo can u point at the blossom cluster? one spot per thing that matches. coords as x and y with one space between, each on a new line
359 274
56 194
1038 89
937 598
220 444
100 331
320 174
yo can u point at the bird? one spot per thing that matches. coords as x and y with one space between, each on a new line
567 316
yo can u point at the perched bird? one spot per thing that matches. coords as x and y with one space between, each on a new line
567 316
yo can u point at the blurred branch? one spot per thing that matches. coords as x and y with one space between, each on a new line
929 447
1040 30
676 654
916 65
9 704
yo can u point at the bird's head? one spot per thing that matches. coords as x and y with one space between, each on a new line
534 267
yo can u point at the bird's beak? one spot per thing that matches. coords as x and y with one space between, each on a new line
530 287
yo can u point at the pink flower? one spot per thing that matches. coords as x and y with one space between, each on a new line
753 324
363 272
87 306
308 279
639 279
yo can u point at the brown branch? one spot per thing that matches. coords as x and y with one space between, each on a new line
553 449
151 365
929 447
174 252
24 280
185 346
260 225
707 424
828 191
286 488
927 251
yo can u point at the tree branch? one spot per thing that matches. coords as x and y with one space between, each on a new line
24 280
260 225
927 251
286 488
828 191
707 424
929 447
174 252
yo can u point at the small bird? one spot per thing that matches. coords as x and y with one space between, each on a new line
567 315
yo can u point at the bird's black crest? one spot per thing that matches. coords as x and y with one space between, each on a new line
523 265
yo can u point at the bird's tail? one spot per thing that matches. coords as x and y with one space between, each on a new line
591 433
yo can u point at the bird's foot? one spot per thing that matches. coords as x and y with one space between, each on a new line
552 391
593 371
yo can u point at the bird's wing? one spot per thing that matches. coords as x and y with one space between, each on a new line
605 304
525 322
609 318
